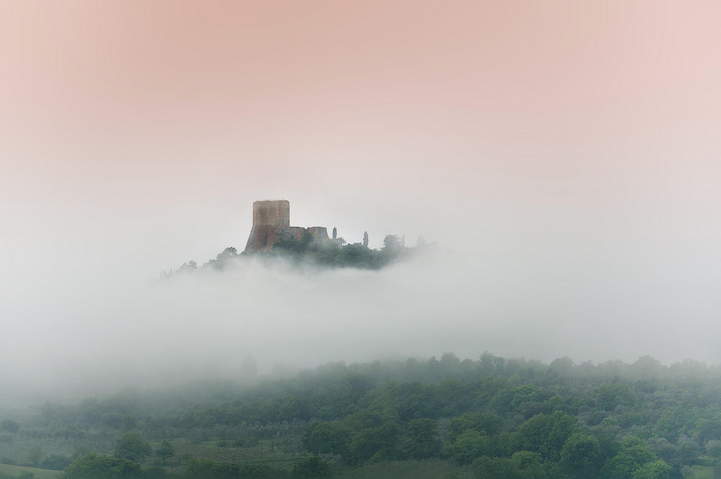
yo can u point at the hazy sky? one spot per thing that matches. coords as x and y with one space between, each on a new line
569 151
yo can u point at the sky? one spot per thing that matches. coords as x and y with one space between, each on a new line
565 154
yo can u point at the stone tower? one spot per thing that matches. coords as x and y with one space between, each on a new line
271 226
271 213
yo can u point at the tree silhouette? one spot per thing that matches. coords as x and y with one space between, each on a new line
131 446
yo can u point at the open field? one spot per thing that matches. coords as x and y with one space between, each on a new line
698 472
39 473
411 470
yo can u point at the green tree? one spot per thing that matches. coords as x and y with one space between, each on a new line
580 455
633 454
423 439
653 470
35 455
528 393
93 466
676 421
499 468
608 396
131 446
508 443
490 424
128 423
8 425
328 438
531 462
223 258
548 433
391 242
687 451
312 468
713 447
708 430
165 451
471 445
376 444
80 452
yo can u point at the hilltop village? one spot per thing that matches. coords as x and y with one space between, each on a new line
272 236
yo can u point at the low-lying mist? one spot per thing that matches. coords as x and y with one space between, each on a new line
94 337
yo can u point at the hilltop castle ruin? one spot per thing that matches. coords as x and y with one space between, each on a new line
271 226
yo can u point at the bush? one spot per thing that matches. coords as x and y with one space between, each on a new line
94 466
313 468
713 447
133 447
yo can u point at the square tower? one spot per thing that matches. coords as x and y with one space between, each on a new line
271 213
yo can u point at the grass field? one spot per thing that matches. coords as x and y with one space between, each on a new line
39 473
698 472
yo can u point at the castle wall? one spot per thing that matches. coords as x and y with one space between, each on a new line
319 233
264 237
271 226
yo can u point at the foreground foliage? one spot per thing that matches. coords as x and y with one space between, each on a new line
488 418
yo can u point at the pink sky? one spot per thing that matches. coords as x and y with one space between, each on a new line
106 103
532 78
135 104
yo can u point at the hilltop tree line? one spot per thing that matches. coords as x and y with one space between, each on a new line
500 418
336 254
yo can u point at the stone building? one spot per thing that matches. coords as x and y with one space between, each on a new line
271 226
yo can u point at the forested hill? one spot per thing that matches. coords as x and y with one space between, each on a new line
331 255
485 418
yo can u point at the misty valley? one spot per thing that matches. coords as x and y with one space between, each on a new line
503 259
437 418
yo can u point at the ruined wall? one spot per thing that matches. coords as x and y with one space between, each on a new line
271 213
271 226
318 233
264 237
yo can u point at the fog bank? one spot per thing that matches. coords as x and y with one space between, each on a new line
101 333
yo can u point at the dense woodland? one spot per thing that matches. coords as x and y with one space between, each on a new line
485 418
